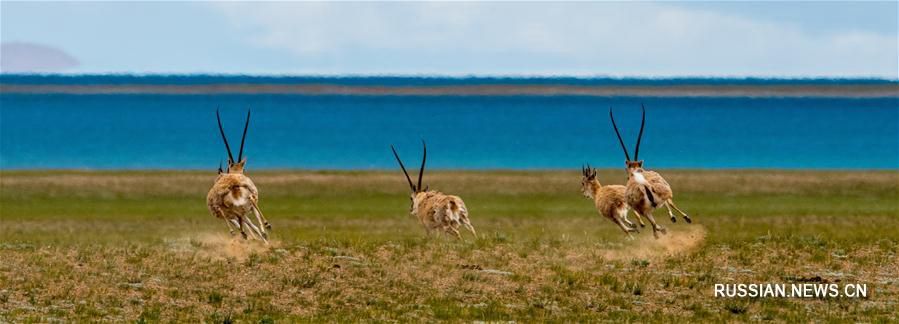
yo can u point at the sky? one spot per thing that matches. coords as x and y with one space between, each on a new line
621 39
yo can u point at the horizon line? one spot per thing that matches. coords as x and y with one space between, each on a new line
697 90
447 76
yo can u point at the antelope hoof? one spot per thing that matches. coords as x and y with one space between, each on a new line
242 233
674 219
658 230
268 226
687 219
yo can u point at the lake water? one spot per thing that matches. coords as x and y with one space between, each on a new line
44 131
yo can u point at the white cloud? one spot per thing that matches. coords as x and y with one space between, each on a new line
629 39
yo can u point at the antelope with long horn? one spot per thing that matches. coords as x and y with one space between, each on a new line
646 190
433 209
234 196
609 200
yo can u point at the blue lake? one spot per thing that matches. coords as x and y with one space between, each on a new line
463 132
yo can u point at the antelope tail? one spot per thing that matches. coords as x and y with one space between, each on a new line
650 196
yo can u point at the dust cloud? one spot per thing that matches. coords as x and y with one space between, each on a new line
678 241
219 246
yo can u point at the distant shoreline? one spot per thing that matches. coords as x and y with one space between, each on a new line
691 90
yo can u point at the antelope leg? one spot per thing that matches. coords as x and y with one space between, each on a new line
263 222
230 227
624 227
627 221
456 232
670 213
253 228
259 218
471 228
260 235
639 219
686 218
240 227
627 230
656 228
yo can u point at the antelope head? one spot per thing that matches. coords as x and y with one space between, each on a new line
635 165
234 166
588 182
417 190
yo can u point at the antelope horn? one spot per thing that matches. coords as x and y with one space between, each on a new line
424 158
220 166
222 131
619 135
640 136
244 137
403 167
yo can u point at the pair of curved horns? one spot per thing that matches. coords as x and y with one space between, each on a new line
242 138
639 136
420 172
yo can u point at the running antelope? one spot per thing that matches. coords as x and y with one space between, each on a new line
433 209
234 195
609 200
646 190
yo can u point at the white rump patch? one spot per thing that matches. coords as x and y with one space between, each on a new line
241 200
638 176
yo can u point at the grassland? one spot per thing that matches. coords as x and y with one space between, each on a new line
140 246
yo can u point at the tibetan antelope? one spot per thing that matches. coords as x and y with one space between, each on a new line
433 209
646 190
609 200
234 195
